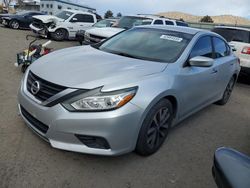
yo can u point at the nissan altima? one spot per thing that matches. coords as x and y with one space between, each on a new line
124 94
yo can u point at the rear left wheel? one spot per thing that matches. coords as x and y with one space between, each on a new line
227 93
155 128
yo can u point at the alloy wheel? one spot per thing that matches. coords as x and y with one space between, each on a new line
158 128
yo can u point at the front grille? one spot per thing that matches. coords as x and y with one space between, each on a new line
47 89
95 38
38 24
34 122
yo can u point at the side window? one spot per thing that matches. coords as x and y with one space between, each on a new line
83 18
169 22
203 47
220 48
158 22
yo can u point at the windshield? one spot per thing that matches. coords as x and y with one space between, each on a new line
148 44
231 34
104 23
64 15
128 22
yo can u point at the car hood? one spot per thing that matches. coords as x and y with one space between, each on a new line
6 15
48 18
105 31
88 68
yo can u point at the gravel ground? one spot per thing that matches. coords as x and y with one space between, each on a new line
184 161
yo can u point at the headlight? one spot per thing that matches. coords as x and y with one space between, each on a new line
102 101
52 26
87 34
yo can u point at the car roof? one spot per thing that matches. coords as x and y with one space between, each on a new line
77 11
181 29
230 27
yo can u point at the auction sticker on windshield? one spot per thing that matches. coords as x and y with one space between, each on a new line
172 38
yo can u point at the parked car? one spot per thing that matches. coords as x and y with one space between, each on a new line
19 20
64 25
239 39
119 96
231 169
4 15
96 35
102 23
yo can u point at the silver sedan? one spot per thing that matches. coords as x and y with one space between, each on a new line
125 93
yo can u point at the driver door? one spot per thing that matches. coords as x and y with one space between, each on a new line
81 22
199 83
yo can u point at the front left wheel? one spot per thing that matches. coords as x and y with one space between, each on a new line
14 24
155 128
60 35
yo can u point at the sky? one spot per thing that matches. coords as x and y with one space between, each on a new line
196 7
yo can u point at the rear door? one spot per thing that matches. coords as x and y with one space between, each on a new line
224 61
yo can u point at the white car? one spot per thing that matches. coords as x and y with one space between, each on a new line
96 35
239 40
64 25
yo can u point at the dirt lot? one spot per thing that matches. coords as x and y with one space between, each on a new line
185 160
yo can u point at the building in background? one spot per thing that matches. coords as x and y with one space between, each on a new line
54 6
30 5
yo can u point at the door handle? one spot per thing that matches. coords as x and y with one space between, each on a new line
214 71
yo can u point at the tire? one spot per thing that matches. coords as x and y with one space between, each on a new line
24 68
14 24
59 35
227 93
155 128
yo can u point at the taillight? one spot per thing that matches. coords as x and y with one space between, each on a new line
246 50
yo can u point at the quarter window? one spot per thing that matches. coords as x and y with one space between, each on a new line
220 48
158 22
203 47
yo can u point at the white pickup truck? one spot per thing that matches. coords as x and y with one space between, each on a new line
64 25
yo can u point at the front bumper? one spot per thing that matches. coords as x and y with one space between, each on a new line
5 22
119 128
245 66
43 32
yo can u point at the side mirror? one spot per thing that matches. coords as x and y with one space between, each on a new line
200 61
74 20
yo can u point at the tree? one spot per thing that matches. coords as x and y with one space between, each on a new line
6 3
119 15
108 14
207 19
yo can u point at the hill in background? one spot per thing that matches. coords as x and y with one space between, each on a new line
223 19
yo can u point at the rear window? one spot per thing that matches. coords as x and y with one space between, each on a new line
233 34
